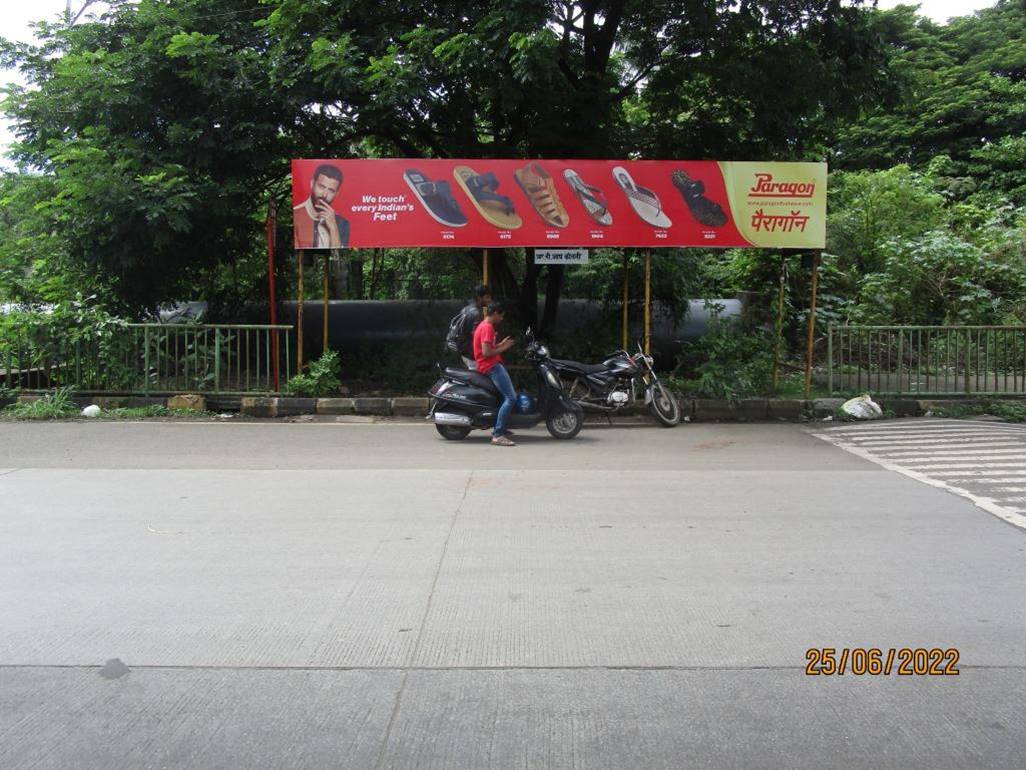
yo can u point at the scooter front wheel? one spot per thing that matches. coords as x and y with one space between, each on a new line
566 424
453 432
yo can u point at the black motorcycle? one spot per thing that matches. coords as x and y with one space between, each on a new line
614 384
463 400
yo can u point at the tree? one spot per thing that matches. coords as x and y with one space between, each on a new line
168 125
961 90
162 133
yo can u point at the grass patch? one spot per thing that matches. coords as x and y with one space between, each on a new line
58 405
1010 411
154 410
51 406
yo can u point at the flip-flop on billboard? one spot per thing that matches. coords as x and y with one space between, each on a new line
592 203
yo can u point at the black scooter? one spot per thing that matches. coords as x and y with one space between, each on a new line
463 400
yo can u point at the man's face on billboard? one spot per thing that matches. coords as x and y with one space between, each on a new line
323 189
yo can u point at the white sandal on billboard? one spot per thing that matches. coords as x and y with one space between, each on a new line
646 204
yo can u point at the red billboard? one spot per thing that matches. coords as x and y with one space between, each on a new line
557 203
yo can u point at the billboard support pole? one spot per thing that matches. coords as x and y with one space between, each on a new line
327 277
299 316
816 256
648 301
484 268
626 297
780 321
272 227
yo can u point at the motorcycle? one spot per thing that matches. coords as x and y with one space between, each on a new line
613 385
463 400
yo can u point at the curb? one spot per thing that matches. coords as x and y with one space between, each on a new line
692 409
705 410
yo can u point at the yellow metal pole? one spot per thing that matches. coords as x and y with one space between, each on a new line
327 276
648 301
484 268
299 316
812 324
626 298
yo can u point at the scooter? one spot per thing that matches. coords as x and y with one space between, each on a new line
463 400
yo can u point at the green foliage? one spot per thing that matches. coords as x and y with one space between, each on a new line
75 330
160 133
54 405
1010 411
321 380
152 411
732 361
961 89
941 278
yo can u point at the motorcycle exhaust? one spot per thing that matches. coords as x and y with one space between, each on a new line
449 418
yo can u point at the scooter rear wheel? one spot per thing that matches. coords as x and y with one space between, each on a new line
566 424
453 432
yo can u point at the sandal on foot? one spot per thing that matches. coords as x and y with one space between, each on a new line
540 188
481 189
436 197
646 204
591 197
502 441
707 212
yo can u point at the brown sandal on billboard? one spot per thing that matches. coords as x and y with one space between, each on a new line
481 189
540 188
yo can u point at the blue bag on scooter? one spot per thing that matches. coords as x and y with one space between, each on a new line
525 404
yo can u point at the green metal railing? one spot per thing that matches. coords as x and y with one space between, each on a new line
147 358
927 360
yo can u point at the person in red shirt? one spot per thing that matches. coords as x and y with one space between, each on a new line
488 356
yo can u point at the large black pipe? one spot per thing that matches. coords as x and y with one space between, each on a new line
364 323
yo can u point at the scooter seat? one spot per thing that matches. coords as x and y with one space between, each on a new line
578 366
472 378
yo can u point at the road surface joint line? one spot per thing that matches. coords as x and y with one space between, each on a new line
423 622
340 669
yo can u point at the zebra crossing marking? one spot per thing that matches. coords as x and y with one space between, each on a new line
947 454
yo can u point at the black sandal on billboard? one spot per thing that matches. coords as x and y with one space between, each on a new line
436 198
707 212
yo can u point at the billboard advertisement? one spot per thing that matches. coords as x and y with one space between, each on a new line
557 203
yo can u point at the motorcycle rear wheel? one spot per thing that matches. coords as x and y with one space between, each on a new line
664 406
453 432
565 425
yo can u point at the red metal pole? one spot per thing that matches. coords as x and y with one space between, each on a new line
272 226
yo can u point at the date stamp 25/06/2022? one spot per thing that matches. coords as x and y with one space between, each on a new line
875 661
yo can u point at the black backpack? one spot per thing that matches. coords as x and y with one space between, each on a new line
457 329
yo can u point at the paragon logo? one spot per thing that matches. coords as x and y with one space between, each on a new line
765 187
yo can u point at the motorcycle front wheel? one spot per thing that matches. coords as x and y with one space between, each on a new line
565 424
453 432
664 406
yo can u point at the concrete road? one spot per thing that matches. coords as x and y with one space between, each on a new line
331 595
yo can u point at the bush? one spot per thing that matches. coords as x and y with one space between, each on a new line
732 361
321 380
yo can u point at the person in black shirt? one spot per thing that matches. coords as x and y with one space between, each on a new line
475 313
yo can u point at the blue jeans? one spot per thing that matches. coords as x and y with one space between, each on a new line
500 377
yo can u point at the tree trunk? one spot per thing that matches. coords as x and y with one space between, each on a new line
528 305
553 290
